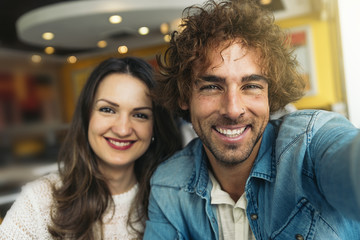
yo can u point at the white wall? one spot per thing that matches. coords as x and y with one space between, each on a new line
349 16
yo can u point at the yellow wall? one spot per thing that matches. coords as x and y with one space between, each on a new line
75 75
325 60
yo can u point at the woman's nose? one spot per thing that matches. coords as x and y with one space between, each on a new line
122 126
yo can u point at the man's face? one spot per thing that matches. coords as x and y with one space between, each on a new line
229 105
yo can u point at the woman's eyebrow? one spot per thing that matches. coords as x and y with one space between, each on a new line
143 108
117 105
107 101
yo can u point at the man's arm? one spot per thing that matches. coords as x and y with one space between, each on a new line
336 151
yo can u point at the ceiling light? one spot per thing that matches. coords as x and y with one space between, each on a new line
123 49
36 58
143 30
49 50
102 44
47 35
167 38
265 2
164 28
115 19
71 59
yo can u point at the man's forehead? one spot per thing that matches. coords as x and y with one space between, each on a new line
225 52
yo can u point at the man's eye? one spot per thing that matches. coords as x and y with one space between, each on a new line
141 115
106 110
252 87
209 87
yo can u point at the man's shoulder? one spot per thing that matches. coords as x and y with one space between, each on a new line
307 122
176 170
303 119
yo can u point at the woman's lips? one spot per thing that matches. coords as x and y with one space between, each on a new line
120 144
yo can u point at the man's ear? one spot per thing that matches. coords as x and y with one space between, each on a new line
184 106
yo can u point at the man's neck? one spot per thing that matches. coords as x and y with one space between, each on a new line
232 179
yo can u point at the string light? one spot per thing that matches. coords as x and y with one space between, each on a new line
143 30
115 19
48 35
49 50
71 59
123 49
36 58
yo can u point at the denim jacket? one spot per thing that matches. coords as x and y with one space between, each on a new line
304 184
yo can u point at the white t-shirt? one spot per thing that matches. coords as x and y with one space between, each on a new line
29 216
232 220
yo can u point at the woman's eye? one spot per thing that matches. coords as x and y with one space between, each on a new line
106 110
141 115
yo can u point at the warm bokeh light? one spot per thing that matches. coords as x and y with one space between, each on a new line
167 38
102 44
36 58
175 25
164 28
265 2
143 30
123 49
115 19
48 35
49 50
71 59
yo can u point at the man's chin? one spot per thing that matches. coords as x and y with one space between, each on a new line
229 162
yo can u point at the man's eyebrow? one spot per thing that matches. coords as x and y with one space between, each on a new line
210 78
216 79
254 77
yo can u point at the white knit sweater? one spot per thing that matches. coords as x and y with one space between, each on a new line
29 216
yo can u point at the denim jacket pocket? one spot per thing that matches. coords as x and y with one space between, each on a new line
304 223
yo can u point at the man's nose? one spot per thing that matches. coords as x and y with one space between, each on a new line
232 105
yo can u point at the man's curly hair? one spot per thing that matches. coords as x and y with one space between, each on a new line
213 24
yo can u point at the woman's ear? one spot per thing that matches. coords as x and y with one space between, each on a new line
183 105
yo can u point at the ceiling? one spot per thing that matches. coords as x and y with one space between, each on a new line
79 24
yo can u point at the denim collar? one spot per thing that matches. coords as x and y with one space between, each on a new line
265 163
199 178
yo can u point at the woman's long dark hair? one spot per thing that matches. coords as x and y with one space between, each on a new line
83 196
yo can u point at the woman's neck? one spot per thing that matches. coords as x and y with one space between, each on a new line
121 185
119 180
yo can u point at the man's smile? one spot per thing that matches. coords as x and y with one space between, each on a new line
230 132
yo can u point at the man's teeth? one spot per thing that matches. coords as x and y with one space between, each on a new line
231 133
119 144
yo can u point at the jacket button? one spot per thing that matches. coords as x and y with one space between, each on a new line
254 216
299 237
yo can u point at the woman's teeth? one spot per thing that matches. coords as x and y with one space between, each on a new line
119 144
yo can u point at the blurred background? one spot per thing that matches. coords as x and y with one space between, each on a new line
49 47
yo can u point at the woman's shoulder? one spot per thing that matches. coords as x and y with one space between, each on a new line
41 188
29 215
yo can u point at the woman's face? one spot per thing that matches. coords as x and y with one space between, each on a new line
121 121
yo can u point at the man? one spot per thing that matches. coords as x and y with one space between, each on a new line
247 177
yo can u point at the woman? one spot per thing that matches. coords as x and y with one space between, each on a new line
116 139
